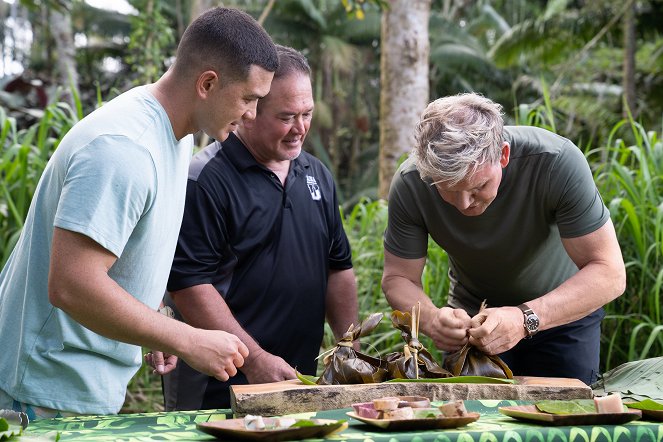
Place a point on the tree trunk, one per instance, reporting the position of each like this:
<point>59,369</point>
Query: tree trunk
<point>65,53</point>
<point>200,6</point>
<point>404,81</point>
<point>630,104</point>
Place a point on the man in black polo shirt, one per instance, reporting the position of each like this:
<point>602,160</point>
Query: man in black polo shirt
<point>262,252</point>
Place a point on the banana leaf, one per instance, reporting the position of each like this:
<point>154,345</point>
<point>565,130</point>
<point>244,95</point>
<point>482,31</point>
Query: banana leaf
<point>635,380</point>
<point>575,406</point>
<point>345,365</point>
<point>470,361</point>
<point>415,362</point>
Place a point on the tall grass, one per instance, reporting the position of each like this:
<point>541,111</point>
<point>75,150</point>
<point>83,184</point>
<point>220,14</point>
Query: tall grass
<point>631,182</point>
<point>23,158</point>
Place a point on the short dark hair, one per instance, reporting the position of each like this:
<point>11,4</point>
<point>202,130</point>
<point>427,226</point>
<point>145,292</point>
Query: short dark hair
<point>227,41</point>
<point>291,60</point>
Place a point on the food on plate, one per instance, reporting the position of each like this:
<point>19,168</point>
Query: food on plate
<point>407,407</point>
<point>386,403</point>
<point>599,405</point>
<point>453,409</point>
<point>470,361</point>
<point>259,423</point>
<point>252,422</point>
<point>611,403</point>
<point>399,413</point>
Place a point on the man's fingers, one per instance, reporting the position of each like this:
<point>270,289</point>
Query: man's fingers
<point>238,360</point>
<point>158,362</point>
<point>243,350</point>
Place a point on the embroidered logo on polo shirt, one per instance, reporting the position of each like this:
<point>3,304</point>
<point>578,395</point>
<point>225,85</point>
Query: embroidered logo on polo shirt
<point>313,187</point>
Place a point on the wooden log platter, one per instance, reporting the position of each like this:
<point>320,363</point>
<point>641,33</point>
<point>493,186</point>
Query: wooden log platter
<point>293,396</point>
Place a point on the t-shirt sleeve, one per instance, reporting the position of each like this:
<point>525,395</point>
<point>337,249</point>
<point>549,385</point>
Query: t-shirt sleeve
<point>579,209</point>
<point>406,235</point>
<point>202,240</point>
<point>109,185</point>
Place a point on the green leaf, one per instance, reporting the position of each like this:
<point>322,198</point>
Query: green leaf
<point>310,423</point>
<point>306,378</point>
<point>460,380</point>
<point>647,404</point>
<point>577,406</point>
<point>4,425</point>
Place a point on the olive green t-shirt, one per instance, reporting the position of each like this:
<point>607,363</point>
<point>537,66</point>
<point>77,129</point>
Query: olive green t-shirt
<point>512,253</point>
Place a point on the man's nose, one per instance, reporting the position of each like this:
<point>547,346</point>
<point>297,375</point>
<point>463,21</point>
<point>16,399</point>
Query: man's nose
<point>299,126</point>
<point>250,113</point>
<point>464,200</point>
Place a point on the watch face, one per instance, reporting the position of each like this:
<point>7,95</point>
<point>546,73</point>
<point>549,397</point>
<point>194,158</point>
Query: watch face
<point>532,323</point>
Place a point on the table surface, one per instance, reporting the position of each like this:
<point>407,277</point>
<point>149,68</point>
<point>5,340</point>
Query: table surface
<point>491,427</point>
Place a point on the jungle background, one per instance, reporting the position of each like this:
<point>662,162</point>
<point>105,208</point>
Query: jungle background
<point>588,70</point>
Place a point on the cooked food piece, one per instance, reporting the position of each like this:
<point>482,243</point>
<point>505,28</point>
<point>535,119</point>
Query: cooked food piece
<point>366,409</point>
<point>609,404</point>
<point>453,409</point>
<point>399,413</point>
<point>414,401</point>
<point>284,422</point>
<point>254,422</point>
<point>386,403</point>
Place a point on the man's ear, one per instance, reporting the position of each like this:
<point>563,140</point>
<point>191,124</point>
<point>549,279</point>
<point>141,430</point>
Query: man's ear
<point>206,82</point>
<point>506,152</point>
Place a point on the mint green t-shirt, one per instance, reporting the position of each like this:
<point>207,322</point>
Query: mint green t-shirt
<point>512,253</point>
<point>118,177</point>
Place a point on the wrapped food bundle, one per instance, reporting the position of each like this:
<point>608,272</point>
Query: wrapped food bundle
<point>415,362</point>
<point>470,361</point>
<point>345,365</point>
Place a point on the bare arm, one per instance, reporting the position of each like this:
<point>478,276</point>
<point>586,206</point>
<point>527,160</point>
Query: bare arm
<point>601,278</point>
<point>202,306</point>
<point>341,301</point>
<point>401,283</point>
<point>79,285</point>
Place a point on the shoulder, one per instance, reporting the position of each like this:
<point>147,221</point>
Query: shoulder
<point>312,165</point>
<point>208,156</point>
<point>529,140</point>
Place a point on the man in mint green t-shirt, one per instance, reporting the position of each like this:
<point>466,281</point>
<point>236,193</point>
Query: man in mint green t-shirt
<point>525,229</point>
<point>79,294</point>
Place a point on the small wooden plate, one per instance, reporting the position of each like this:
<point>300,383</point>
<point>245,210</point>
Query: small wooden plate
<point>234,429</point>
<point>531,414</point>
<point>430,423</point>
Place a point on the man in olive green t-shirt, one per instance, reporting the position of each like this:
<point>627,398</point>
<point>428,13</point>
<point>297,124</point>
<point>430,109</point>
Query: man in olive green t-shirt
<point>518,213</point>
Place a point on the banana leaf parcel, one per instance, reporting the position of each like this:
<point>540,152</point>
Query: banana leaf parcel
<point>415,362</point>
<point>470,361</point>
<point>345,365</point>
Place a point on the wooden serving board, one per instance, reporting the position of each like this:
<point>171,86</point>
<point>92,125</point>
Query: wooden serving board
<point>294,397</point>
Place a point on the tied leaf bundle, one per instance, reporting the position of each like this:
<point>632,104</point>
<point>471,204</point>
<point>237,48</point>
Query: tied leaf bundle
<point>470,361</point>
<point>415,362</point>
<point>345,365</point>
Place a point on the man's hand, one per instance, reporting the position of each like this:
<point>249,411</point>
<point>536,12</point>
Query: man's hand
<point>216,353</point>
<point>448,328</point>
<point>161,362</point>
<point>265,367</point>
<point>496,330</point>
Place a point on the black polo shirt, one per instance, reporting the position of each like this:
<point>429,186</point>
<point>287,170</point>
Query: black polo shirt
<point>267,249</point>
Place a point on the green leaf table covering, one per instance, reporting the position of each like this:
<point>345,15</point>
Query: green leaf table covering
<point>491,427</point>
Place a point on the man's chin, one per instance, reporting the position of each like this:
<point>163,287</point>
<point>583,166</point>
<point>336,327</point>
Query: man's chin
<point>475,211</point>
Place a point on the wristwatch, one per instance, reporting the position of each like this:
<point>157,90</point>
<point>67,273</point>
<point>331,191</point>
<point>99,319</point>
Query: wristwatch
<point>531,321</point>
<point>167,311</point>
